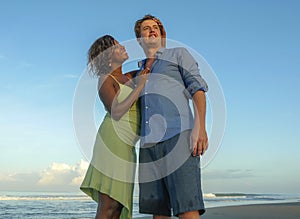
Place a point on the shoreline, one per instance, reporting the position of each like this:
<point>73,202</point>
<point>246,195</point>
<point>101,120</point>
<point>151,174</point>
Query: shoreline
<point>286,210</point>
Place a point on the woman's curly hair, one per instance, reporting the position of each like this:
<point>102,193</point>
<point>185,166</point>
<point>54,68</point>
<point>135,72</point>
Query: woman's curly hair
<point>99,55</point>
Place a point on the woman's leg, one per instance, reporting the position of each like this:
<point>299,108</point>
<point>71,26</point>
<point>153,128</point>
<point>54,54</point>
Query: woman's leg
<point>108,208</point>
<point>117,213</point>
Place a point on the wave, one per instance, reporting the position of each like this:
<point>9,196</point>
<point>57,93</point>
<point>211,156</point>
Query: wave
<point>42,198</point>
<point>209,195</point>
<point>228,195</point>
<point>81,197</point>
<point>233,195</point>
<point>47,197</point>
<point>242,197</point>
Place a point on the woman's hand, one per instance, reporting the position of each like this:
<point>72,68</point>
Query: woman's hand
<point>142,77</point>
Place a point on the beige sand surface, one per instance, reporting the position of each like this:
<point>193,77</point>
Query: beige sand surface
<point>260,211</point>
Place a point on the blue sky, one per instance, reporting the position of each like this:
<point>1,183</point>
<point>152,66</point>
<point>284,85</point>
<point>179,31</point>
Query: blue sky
<point>252,46</point>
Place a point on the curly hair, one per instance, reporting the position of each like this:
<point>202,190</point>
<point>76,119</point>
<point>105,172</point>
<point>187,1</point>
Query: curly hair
<point>137,28</point>
<point>99,55</point>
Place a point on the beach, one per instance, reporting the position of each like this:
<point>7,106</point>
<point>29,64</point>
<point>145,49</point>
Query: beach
<point>256,211</point>
<point>77,205</point>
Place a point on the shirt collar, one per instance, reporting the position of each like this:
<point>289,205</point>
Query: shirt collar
<point>157,55</point>
<point>159,52</point>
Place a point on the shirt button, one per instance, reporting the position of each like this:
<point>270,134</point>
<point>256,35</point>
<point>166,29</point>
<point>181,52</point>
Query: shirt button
<point>146,107</point>
<point>146,92</point>
<point>146,122</point>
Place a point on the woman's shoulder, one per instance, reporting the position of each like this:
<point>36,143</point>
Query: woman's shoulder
<point>106,81</point>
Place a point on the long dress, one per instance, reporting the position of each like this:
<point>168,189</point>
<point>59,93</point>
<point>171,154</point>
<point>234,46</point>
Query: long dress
<point>112,168</point>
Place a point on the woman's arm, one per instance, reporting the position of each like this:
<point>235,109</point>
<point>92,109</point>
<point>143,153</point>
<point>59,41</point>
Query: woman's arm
<point>109,91</point>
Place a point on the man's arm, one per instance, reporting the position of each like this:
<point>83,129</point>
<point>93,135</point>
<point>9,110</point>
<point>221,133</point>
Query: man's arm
<point>198,138</point>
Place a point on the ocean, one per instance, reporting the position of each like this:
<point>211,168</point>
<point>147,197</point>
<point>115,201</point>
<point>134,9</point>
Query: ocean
<point>79,206</point>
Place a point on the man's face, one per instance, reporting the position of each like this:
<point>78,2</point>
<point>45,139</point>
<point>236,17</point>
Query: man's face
<point>150,34</point>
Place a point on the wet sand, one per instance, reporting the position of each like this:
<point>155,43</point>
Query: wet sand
<point>259,211</point>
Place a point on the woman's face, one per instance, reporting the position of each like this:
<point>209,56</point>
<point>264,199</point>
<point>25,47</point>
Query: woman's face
<point>119,54</point>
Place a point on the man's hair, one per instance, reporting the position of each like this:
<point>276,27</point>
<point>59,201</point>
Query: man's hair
<point>137,28</point>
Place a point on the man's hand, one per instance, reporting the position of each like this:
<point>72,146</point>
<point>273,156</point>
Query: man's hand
<point>198,141</point>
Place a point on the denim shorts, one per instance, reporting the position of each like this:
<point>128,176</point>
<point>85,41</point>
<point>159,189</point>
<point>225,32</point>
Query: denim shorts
<point>165,190</point>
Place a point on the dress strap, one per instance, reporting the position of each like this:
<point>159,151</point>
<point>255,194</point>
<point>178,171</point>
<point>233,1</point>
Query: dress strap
<point>114,79</point>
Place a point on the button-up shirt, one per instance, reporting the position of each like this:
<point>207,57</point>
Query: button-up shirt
<point>165,106</point>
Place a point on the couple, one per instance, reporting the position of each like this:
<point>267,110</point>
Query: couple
<point>152,102</point>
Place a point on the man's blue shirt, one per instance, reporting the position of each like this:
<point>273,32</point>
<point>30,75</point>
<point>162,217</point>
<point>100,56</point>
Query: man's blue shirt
<point>165,108</point>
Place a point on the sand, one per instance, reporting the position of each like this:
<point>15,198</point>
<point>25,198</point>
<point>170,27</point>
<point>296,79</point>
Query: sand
<point>259,211</point>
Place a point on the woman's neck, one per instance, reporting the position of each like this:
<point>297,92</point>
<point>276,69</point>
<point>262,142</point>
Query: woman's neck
<point>117,70</point>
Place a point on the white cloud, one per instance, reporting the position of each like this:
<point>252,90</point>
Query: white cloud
<point>73,76</point>
<point>7,178</point>
<point>18,181</point>
<point>57,177</point>
<point>81,170</point>
<point>63,174</point>
<point>228,174</point>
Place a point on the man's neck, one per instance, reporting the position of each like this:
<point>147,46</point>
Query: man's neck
<point>150,52</point>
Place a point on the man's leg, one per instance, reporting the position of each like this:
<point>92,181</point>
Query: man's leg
<point>189,215</point>
<point>184,184</point>
<point>160,217</point>
<point>154,197</point>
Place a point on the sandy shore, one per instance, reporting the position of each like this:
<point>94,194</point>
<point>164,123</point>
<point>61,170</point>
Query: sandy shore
<point>261,211</point>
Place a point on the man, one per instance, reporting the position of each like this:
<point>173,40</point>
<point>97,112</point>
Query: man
<point>172,138</point>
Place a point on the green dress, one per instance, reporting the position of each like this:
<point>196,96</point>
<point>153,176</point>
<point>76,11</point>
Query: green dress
<point>112,168</point>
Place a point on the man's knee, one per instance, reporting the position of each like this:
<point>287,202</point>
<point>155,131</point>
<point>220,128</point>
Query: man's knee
<point>189,215</point>
<point>160,217</point>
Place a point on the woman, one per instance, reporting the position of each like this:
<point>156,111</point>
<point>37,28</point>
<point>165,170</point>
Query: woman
<point>110,177</point>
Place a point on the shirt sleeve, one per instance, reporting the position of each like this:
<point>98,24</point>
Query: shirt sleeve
<point>190,73</point>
